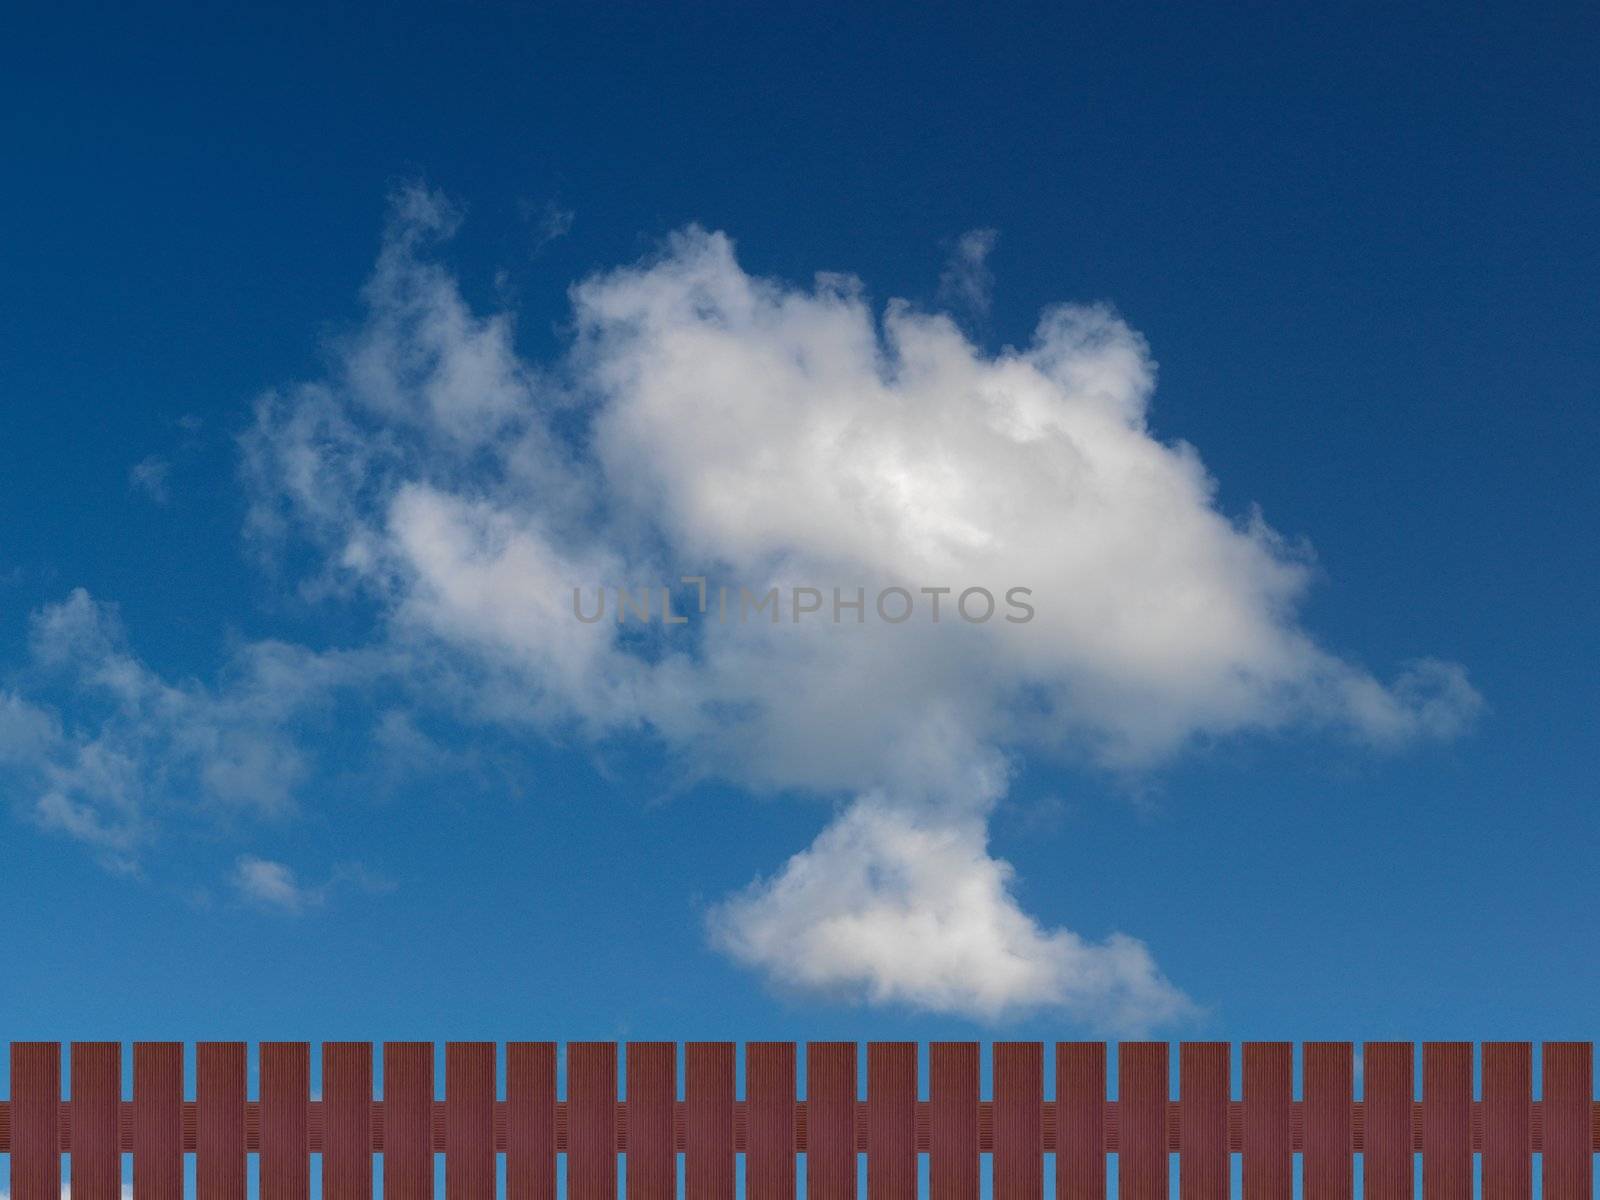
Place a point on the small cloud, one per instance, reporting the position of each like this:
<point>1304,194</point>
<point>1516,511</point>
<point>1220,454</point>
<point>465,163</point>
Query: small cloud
<point>190,423</point>
<point>967,282</point>
<point>908,908</point>
<point>149,475</point>
<point>550,222</point>
<point>275,886</point>
<point>272,885</point>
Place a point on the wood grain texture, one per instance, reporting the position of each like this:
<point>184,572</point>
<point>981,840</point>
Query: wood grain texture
<point>1387,1151</point>
<point>1205,1087</point>
<point>769,1073</point>
<point>1142,1121</point>
<point>408,1120</point>
<point>469,1094</point>
<point>1508,1120</point>
<point>1447,1120</point>
<point>285,1135</point>
<point>530,1121</point>
<point>1267,1169</point>
<point>35,1116</point>
<point>651,1071</point>
<point>96,1082</point>
<point>591,1121</point>
<point>1080,1120</point>
<point>1328,1077</point>
<point>1018,1121</point>
<point>1567,1160</point>
<point>953,1088</point>
<point>831,1121</point>
<point>158,1121</point>
<point>347,1120</point>
<point>892,1121</point>
<point>708,1091</point>
<point>222,1168</point>
<point>832,1126</point>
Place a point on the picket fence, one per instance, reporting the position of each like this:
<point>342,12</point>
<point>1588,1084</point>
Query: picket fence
<point>1469,1135</point>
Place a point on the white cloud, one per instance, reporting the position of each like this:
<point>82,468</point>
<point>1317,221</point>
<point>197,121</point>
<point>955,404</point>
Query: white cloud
<point>149,475</point>
<point>277,886</point>
<point>892,907</point>
<point>712,423</point>
<point>764,434</point>
<point>132,749</point>
<point>271,885</point>
<point>551,221</point>
<point>967,283</point>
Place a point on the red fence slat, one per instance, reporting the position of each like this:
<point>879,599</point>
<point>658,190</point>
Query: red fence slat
<point>1567,1157</point>
<point>1507,1120</point>
<point>892,1121</point>
<point>408,1121</point>
<point>830,1121</point>
<point>652,1077</point>
<point>1018,1121</point>
<point>1142,1121</point>
<point>591,1121</point>
<point>1205,1087</point>
<point>347,1120</point>
<point>469,1091</point>
<point>1080,1120</point>
<point>285,1137</point>
<point>1447,1120</point>
<point>769,1084</point>
<point>1386,1161</point>
<point>96,1140</point>
<point>953,1086</point>
<point>1327,1164</point>
<point>157,1121</point>
<point>709,1073</point>
<point>1268,1146</point>
<point>35,1111</point>
<point>530,1121</point>
<point>221,1085</point>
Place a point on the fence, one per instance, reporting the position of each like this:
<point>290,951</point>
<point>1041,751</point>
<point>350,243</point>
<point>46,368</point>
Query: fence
<point>770,1127</point>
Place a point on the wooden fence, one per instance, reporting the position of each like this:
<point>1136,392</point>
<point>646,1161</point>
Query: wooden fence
<point>892,1125</point>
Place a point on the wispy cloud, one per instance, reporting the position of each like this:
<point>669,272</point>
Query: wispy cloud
<point>272,885</point>
<point>149,475</point>
<point>277,887</point>
<point>967,283</point>
<point>550,222</point>
<point>133,748</point>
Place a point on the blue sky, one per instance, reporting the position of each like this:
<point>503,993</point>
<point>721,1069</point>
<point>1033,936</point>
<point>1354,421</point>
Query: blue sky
<point>268,774</point>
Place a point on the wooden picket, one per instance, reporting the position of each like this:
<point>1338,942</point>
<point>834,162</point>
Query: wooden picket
<point>96,1141</point>
<point>1019,1119</point>
<point>535,1126</point>
<point>708,1090</point>
<point>769,1120</point>
<point>830,1124</point>
<point>651,1070</point>
<point>1268,1121</point>
<point>954,1166</point>
<point>346,1120</point>
<point>1466,1138</point>
<point>1083,1126</point>
<point>157,1121</point>
<point>1327,1122</point>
